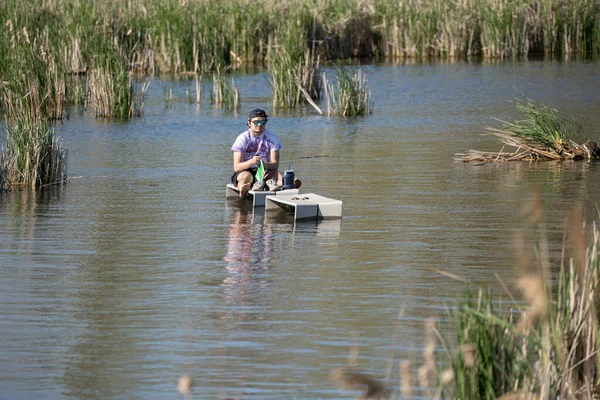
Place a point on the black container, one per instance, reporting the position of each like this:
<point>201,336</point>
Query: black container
<point>288,179</point>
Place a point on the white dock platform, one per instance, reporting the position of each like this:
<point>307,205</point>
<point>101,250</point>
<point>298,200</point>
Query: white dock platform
<point>305,205</point>
<point>258,197</point>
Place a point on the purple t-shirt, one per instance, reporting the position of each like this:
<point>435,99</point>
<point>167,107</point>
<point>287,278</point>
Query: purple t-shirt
<point>250,145</point>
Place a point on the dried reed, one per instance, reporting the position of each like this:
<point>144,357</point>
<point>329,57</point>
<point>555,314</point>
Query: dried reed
<point>552,351</point>
<point>110,87</point>
<point>543,134</point>
<point>294,68</point>
<point>33,155</point>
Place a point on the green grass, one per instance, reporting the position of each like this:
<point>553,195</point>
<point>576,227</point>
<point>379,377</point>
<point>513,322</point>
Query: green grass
<point>294,68</point>
<point>545,126</point>
<point>349,95</point>
<point>548,347</point>
<point>33,156</point>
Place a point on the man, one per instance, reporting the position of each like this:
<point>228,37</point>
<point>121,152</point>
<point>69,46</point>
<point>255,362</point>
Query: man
<point>252,146</point>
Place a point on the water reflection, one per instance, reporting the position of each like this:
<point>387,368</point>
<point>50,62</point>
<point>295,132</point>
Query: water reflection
<point>248,259</point>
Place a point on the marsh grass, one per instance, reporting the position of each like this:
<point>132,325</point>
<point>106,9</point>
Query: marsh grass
<point>111,89</point>
<point>294,68</point>
<point>547,349</point>
<point>349,95</point>
<point>33,156</point>
<point>4,170</point>
<point>58,42</point>
<point>544,346</point>
<point>542,134</point>
<point>168,97</point>
<point>545,126</point>
<point>225,93</point>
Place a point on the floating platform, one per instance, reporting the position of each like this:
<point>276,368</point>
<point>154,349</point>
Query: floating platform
<point>259,196</point>
<point>304,206</point>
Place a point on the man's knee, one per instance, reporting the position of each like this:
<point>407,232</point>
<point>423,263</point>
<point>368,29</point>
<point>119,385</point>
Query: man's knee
<point>245,176</point>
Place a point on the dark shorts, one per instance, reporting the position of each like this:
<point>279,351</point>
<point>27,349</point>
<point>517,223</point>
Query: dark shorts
<point>235,175</point>
<point>253,172</point>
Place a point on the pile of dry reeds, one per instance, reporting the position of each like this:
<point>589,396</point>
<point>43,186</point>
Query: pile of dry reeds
<point>543,134</point>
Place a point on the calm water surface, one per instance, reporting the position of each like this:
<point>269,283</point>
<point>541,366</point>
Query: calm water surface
<point>139,270</point>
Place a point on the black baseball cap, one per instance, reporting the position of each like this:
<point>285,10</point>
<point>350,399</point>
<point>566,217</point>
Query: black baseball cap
<point>257,112</point>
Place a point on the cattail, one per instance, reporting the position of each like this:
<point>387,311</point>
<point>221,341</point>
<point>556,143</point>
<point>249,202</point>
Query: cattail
<point>26,34</point>
<point>13,42</point>
<point>184,386</point>
<point>426,370</point>
<point>43,53</point>
<point>405,379</point>
<point>468,353</point>
<point>519,396</point>
<point>535,293</point>
<point>534,210</point>
<point>447,376</point>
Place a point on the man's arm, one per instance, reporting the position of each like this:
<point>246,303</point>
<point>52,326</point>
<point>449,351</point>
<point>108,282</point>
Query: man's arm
<point>274,164</point>
<point>239,165</point>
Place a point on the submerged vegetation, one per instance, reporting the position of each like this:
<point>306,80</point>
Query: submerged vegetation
<point>545,347</point>
<point>542,134</point>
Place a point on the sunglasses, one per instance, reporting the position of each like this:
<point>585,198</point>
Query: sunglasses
<point>262,122</point>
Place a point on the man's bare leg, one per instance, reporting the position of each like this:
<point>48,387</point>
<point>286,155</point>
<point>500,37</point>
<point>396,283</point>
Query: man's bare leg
<point>244,180</point>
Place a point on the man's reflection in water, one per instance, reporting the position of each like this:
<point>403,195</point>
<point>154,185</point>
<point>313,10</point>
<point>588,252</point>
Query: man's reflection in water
<point>248,257</point>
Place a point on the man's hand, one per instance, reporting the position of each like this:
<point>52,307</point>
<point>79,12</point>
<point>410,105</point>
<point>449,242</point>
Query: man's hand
<point>255,160</point>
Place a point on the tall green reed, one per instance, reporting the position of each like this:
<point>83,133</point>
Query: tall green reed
<point>32,95</point>
<point>110,87</point>
<point>548,349</point>
<point>33,155</point>
<point>294,68</point>
<point>544,346</point>
<point>349,95</point>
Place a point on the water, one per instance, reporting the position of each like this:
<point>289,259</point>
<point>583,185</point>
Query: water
<point>138,271</point>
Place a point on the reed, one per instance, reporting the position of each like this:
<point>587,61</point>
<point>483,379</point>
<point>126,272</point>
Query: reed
<point>31,70</point>
<point>225,93</point>
<point>168,97</point>
<point>33,156</point>
<point>542,347</point>
<point>4,180</point>
<point>110,87</point>
<point>174,36</point>
<point>349,95</point>
<point>544,125</point>
<point>542,134</point>
<point>294,68</point>
<point>548,349</point>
